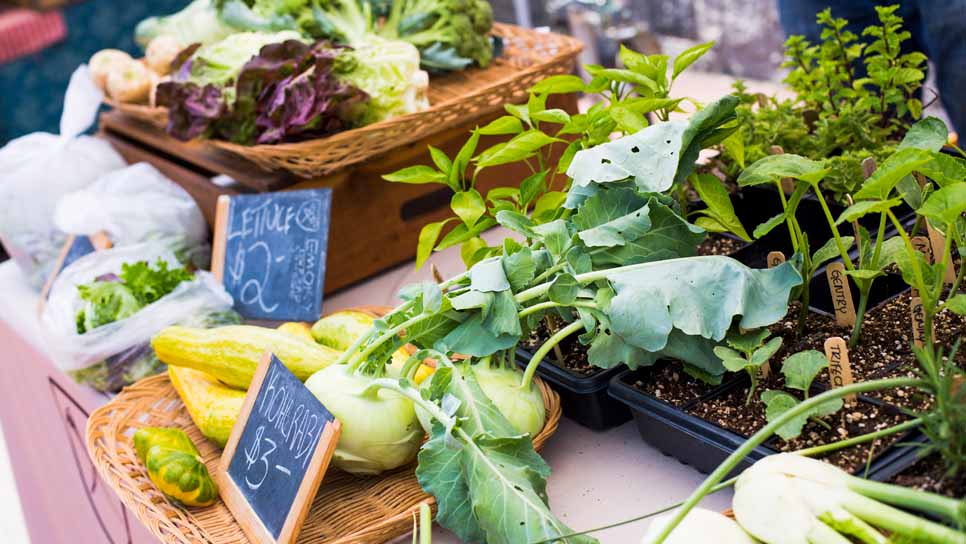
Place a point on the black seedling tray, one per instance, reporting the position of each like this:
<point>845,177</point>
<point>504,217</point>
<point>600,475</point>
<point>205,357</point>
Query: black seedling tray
<point>583,399</point>
<point>703,444</point>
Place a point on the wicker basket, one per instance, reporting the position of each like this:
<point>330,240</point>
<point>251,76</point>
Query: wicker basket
<point>347,508</point>
<point>528,57</point>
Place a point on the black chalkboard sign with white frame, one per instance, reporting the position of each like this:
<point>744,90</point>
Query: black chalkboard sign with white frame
<point>277,455</point>
<point>269,251</point>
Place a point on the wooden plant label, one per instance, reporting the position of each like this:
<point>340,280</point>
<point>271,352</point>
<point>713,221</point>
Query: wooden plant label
<point>868,167</point>
<point>838,284</point>
<point>938,243</point>
<point>839,368</point>
<point>922,245</point>
<point>775,258</point>
<point>959,382</point>
<point>918,321</point>
<point>788,184</point>
<point>270,249</point>
<point>277,455</point>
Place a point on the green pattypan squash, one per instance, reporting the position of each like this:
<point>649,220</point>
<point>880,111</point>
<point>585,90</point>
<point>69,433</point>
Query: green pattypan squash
<point>175,466</point>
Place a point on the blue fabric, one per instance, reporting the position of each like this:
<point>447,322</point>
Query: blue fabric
<point>32,88</point>
<point>938,29</point>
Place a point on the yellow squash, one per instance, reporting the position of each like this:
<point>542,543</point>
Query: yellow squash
<point>175,466</point>
<point>213,406</point>
<point>298,330</point>
<point>232,353</point>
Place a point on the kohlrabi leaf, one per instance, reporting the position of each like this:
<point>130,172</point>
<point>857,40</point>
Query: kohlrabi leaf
<point>650,157</point>
<point>705,129</point>
<point>440,473</point>
<point>801,369</point>
<point>517,222</point>
<point>670,236</point>
<point>564,289</point>
<point>472,338</point>
<point>699,296</point>
<point>488,276</point>
<point>612,218</point>
<point>775,167</point>
<point>899,165</point>
<point>520,269</point>
<point>556,236</point>
<point>929,134</point>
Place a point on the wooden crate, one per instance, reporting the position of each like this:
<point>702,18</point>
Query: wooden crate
<point>374,225</point>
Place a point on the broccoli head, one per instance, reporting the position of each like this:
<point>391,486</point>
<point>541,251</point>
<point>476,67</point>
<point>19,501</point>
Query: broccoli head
<point>450,34</point>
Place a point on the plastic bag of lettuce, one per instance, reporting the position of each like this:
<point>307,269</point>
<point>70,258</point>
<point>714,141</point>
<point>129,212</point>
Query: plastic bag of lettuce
<point>104,308</point>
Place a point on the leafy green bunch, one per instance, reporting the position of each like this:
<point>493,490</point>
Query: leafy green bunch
<point>536,135</point>
<point>836,114</point>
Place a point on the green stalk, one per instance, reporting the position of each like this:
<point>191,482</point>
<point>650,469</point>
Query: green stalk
<point>545,349</point>
<point>792,232</point>
<point>898,521</point>
<point>425,524</point>
<point>835,230</point>
<point>768,430</point>
<point>907,498</point>
<point>861,439</point>
<point>539,307</point>
<point>391,333</point>
<point>860,315</point>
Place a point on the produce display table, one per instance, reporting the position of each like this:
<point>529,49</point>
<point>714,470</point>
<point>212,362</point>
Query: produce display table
<point>597,478</point>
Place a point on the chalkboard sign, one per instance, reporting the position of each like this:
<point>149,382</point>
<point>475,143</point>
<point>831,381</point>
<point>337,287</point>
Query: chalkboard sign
<point>269,251</point>
<point>277,454</point>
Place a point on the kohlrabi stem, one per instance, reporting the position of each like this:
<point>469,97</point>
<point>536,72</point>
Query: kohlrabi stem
<point>768,430</point>
<point>545,349</point>
<point>539,307</point>
<point>550,271</point>
<point>410,368</point>
<point>390,333</point>
<point>911,499</point>
<point>899,522</point>
<point>860,314</point>
<point>861,439</point>
<point>843,251</point>
<point>425,524</point>
<point>412,394</point>
<point>539,290</point>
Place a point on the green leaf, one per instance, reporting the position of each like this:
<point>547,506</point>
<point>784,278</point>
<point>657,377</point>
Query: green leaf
<point>865,207</point>
<point>710,224</point>
<point>461,233</point>
<point>749,341</point>
<point>517,222</point>
<point>522,146</point>
<point>547,205</point>
<point>462,159</point>
<point>944,169</point>
<point>555,116</point>
<point>427,240</point>
<point>647,105</point>
<point>506,124</point>
<point>441,161</point>
<point>891,171</point>
<point>468,206</point>
<point>956,304</point>
<point>496,194</point>
<point>929,134</point>
<point>716,197</point>
<point>627,76</point>
<point>531,186</point>
<point>770,225</point>
<point>775,167</point>
<point>731,359</point>
<point>688,57</point>
<point>636,62</point>
<point>776,404</point>
<point>564,289</point>
<point>612,218</point>
<point>568,156</point>
<point>559,84</point>
<point>470,251</point>
<point>911,192</point>
<point>734,146</point>
<point>417,175</point>
<point>649,157</point>
<point>707,127</point>
<point>520,269</point>
<point>471,338</point>
<point>700,296</point>
<point>945,205</point>
<point>488,276</point>
<point>670,236</point>
<point>761,355</point>
<point>521,112</point>
<point>830,250</point>
<point>801,369</point>
<point>556,237</point>
<point>627,120</point>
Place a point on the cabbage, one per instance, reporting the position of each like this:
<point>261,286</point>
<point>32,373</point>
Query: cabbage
<point>379,429</point>
<point>221,62</point>
<point>197,23</point>
<point>388,71</point>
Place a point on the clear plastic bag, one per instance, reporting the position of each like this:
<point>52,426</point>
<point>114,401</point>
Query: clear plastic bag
<point>36,169</point>
<point>133,205</point>
<point>116,354</point>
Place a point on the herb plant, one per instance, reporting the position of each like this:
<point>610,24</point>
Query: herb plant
<point>800,371</point>
<point>835,114</point>
<point>537,134</point>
